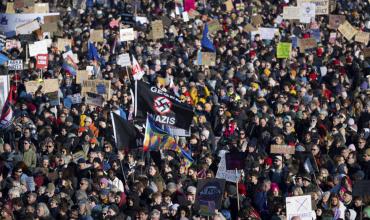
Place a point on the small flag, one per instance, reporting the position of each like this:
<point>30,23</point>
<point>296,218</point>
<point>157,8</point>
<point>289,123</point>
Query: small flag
<point>206,42</point>
<point>137,72</point>
<point>7,114</point>
<point>124,132</point>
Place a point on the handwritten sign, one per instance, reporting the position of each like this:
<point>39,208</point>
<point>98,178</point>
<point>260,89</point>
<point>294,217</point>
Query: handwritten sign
<point>282,149</point>
<point>322,6</point>
<point>81,76</point>
<point>97,35</point>
<point>101,87</point>
<point>336,20</point>
<point>366,52</point>
<point>257,20</point>
<point>127,34</point>
<point>124,59</point>
<point>291,13</point>
<point>362,37</point>
<point>283,50</point>
<point>229,5</point>
<point>48,85</point>
<point>62,43</point>
<point>41,61</point>
<point>41,8</point>
<point>306,12</point>
<point>307,43</point>
<point>157,30</point>
<point>209,195</point>
<point>228,175</point>
<point>300,206</point>
<point>15,64</point>
<point>347,30</point>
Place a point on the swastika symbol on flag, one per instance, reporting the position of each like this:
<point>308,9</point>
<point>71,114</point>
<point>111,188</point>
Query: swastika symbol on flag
<point>162,105</point>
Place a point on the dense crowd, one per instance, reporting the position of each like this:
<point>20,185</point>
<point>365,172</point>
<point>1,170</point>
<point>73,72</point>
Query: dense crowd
<point>245,103</point>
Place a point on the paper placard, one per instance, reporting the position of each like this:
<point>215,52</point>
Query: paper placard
<point>282,149</point>
<point>101,87</point>
<point>291,12</point>
<point>257,20</point>
<point>185,16</point>
<point>39,47</point>
<point>94,99</point>
<point>41,61</point>
<point>96,35</point>
<point>228,175</point>
<point>15,64</point>
<point>127,34</point>
<point>124,59</point>
<point>249,28</point>
<point>362,37</point>
<point>336,20</point>
<point>209,195</point>
<point>49,27</point>
<point>81,76</point>
<point>214,26</point>
<point>28,28</point>
<point>10,8</point>
<point>41,8</point>
<point>267,33</point>
<point>306,12</point>
<point>51,19</point>
<point>62,43</point>
<point>321,6</point>
<point>347,30</point>
<point>157,31</point>
<point>283,50</point>
<point>308,43</point>
<point>48,85</point>
<point>366,52</point>
<point>208,59</point>
<point>229,5</point>
<point>299,206</point>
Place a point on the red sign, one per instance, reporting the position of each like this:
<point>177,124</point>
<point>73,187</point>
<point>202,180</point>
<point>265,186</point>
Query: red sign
<point>41,61</point>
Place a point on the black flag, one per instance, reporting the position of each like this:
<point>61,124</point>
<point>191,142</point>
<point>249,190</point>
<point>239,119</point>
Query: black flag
<point>124,132</point>
<point>165,108</point>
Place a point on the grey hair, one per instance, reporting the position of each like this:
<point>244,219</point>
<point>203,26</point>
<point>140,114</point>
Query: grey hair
<point>45,207</point>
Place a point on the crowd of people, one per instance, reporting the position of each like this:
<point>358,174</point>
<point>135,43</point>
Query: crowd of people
<point>245,103</point>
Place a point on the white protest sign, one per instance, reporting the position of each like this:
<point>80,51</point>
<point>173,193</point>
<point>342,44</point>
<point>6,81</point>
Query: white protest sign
<point>127,34</point>
<point>124,60</point>
<point>228,175</point>
<point>291,12</point>
<point>15,64</point>
<point>322,6</point>
<point>306,12</point>
<point>323,70</point>
<point>28,28</point>
<point>141,20</point>
<point>185,16</point>
<point>267,33</point>
<point>39,47</point>
<point>299,206</point>
<point>12,21</point>
<point>90,70</point>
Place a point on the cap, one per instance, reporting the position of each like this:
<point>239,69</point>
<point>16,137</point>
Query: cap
<point>69,119</point>
<point>191,190</point>
<point>81,160</point>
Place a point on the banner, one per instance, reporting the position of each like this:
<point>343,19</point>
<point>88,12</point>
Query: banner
<point>362,37</point>
<point>306,12</point>
<point>299,206</point>
<point>283,50</point>
<point>209,195</point>
<point>124,59</point>
<point>291,12</point>
<point>9,22</point>
<point>15,64</point>
<point>42,61</point>
<point>282,149</point>
<point>127,34</point>
<point>321,6</point>
<point>101,87</point>
<point>166,108</point>
<point>347,30</point>
<point>336,20</point>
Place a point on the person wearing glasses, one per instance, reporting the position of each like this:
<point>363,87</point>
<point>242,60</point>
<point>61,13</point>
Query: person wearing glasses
<point>29,154</point>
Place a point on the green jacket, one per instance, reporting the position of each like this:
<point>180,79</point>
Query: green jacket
<point>29,158</point>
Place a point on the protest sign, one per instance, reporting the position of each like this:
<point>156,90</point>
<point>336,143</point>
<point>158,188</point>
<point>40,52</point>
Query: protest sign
<point>291,12</point>
<point>316,34</point>
<point>185,16</point>
<point>336,20</point>
<point>306,12</point>
<point>209,195</point>
<point>10,44</point>
<point>267,33</point>
<point>366,52</point>
<point>62,43</point>
<point>306,43</point>
<point>101,87</point>
<point>53,97</point>
<point>206,58</point>
<point>81,76</point>
<point>39,47</point>
<point>15,64</point>
<point>214,26</point>
<point>126,34</point>
<point>167,21</point>
<point>15,20</point>
<point>228,175</point>
<point>347,30</point>
<point>282,149</point>
<point>97,35</point>
<point>71,55</point>
<point>10,8</point>
<point>49,27</point>
<point>41,8</point>
<point>229,5</point>
<point>76,98</point>
<point>18,4</point>
<point>47,85</point>
<point>299,206</point>
<point>332,37</point>
<point>124,59</point>
<point>362,37</point>
<point>157,30</point>
<point>240,6</point>
<point>283,50</point>
<point>257,20</point>
<point>28,28</point>
<point>78,155</point>
<point>249,28</point>
<point>361,188</point>
<point>51,19</point>
<point>94,99</point>
<point>235,160</point>
<point>4,89</point>
<point>321,6</point>
<point>41,61</point>
<point>141,20</point>
<point>193,13</point>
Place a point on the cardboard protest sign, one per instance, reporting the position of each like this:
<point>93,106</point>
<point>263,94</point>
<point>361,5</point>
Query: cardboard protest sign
<point>206,58</point>
<point>306,43</point>
<point>167,21</point>
<point>347,30</point>
<point>41,8</point>
<point>78,155</point>
<point>228,175</point>
<point>15,64</point>
<point>49,27</point>
<point>291,12</point>
<point>124,59</point>
<point>101,87</point>
<point>81,76</point>
<point>235,161</point>
<point>94,99</point>
<point>283,50</point>
<point>299,206</point>
<point>10,8</point>
<point>306,12</point>
<point>39,47</point>
<point>282,149</point>
<point>51,19</point>
<point>54,99</point>
<point>336,20</point>
<point>126,34</point>
<point>257,20</point>
<point>28,28</point>
<point>209,195</point>
<point>321,6</point>
<point>316,34</point>
<point>157,30</point>
<point>214,26</point>
<point>18,4</point>
<point>366,52</point>
<point>97,35</point>
<point>361,188</point>
<point>47,86</point>
<point>249,28</point>
<point>42,61</point>
<point>62,43</point>
<point>362,37</point>
<point>229,5</point>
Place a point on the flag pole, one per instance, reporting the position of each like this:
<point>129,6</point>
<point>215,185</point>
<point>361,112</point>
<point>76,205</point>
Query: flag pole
<point>237,188</point>
<point>135,111</point>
